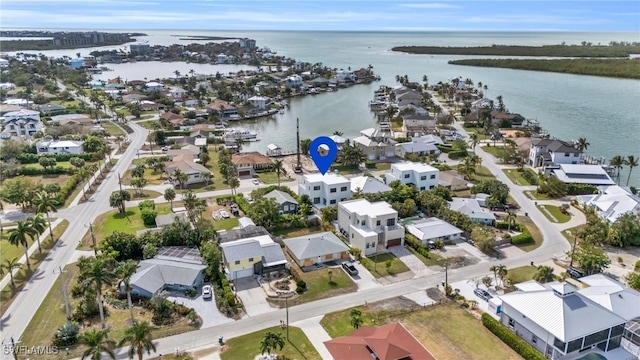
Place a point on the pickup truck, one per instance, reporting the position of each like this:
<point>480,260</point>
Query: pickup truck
<point>349,268</point>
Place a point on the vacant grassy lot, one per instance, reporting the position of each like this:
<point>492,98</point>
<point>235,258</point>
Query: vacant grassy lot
<point>377,265</point>
<point>447,331</point>
<point>535,233</point>
<point>145,194</point>
<point>290,233</point>
<point>496,151</point>
<point>554,214</point>
<point>152,177</point>
<point>246,347</point>
<point>434,259</point>
<point>516,176</point>
<point>534,195</point>
<point>24,274</point>
<point>129,222</point>
<point>112,129</point>
<point>225,224</point>
<point>521,274</point>
<point>272,177</point>
<point>319,286</point>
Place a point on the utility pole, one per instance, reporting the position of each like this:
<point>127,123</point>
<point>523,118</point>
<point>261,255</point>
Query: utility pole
<point>573,250</point>
<point>120,182</point>
<point>64,292</point>
<point>286,305</point>
<point>298,164</point>
<point>446,275</point>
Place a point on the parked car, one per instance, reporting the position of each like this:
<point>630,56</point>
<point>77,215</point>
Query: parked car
<point>165,148</point>
<point>575,273</point>
<point>349,268</point>
<point>500,207</point>
<point>512,206</point>
<point>207,292</point>
<point>482,294</point>
<point>224,214</point>
<point>255,182</point>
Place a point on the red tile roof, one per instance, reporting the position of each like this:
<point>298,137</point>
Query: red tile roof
<point>388,342</point>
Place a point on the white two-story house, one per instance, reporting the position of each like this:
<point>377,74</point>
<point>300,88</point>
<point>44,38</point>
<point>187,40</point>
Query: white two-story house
<point>546,152</point>
<point>369,225</point>
<point>59,147</point>
<point>325,190</point>
<point>423,176</point>
<point>23,122</point>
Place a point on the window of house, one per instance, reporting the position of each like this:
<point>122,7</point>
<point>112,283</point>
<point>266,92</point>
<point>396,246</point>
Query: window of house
<point>13,127</point>
<point>432,186</point>
<point>406,176</point>
<point>316,188</point>
<point>367,245</point>
<point>332,190</point>
<point>332,202</point>
<point>422,188</point>
<point>566,154</point>
<point>534,340</point>
<point>378,223</point>
<point>285,207</point>
<point>344,188</point>
<point>316,200</point>
<point>391,222</point>
<point>352,235</point>
<point>512,323</point>
<point>237,262</point>
<point>423,177</point>
<point>433,176</point>
<point>251,259</point>
<point>576,155</point>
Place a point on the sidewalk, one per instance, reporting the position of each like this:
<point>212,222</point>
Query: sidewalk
<point>316,334</point>
<point>76,201</point>
<point>34,248</point>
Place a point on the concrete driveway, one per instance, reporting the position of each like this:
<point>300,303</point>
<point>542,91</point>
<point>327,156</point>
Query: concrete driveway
<point>252,296</point>
<point>206,309</point>
<point>364,279</point>
<point>413,263</point>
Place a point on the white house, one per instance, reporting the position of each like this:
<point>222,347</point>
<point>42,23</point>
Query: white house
<point>612,202</point>
<point>368,225</point>
<point>472,209</point>
<point>7,86</point>
<point>582,174</point>
<point>557,320</point>
<point>259,102</point>
<point>59,147</point>
<point>222,58</point>
<point>177,93</point>
<point>4,63</point>
<point>376,144</point>
<point>432,229</point>
<point>23,122</point>
<point>154,86</point>
<point>423,176</point>
<point>186,164</point>
<point>547,151</point>
<point>429,139</point>
<point>325,190</point>
<point>294,80</point>
<point>345,75</point>
<point>368,185</point>
<point>417,148</point>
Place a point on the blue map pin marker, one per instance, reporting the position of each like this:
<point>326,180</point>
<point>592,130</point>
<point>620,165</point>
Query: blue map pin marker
<point>323,151</point>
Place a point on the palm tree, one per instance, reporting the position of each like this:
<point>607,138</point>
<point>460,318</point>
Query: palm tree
<point>617,162</point>
<point>138,337</point>
<point>38,226</point>
<point>9,265</point>
<point>46,203</point>
<point>631,162</point>
<point>582,144</point>
<point>356,318</point>
<point>170,195</point>
<point>278,167</point>
<point>544,274</point>
<point>502,273</point>
<point>20,235</point>
<point>180,177</point>
<point>271,341</point>
<point>97,342</point>
<point>125,271</point>
<point>338,133</point>
<point>511,219</point>
<point>98,273</point>
<point>474,138</point>
<point>494,270</point>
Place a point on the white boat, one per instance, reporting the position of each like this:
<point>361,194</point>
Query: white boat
<point>235,134</point>
<point>282,111</point>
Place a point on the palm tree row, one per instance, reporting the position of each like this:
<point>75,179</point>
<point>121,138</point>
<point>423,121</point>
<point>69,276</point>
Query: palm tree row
<point>34,226</point>
<point>138,337</point>
<point>618,162</point>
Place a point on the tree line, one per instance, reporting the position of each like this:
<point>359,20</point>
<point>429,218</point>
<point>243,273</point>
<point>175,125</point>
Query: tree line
<point>614,49</point>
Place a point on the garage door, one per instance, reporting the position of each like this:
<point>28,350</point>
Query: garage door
<point>244,173</point>
<point>243,273</point>
<point>394,242</point>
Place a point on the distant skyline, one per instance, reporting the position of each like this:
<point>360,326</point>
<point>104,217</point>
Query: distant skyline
<point>354,15</point>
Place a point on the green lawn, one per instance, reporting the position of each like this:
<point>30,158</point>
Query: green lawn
<point>516,176</point>
<point>149,125</point>
<point>151,177</point>
<point>521,274</point>
<point>11,251</point>
<point>246,347</point>
<point>482,173</point>
<point>434,259</point>
<point>447,331</point>
<point>212,165</point>
<point>225,224</point>
<point>319,287</point>
<point>535,233</point>
<point>381,166</point>
<point>496,151</point>
<point>129,222</point>
<point>112,129</point>
<point>292,232</point>
<point>272,177</point>
<point>554,214</point>
<point>377,265</point>
<point>24,274</point>
<point>346,169</point>
<point>534,195</point>
<point>570,234</point>
<point>146,194</point>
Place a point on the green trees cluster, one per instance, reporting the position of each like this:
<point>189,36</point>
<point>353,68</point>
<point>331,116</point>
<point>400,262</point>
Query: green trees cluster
<point>586,49</point>
<point>228,170</point>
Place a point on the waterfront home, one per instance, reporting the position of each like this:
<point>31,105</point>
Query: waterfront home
<point>429,139</point>
<point>428,231</point>
<point>416,124</point>
<point>319,82</point>
<point>409,97</point>
<point>286,202</point>
<point>545,152</point>
<point>452,180</point>
<point>343,75</point>
<point>611,202</point>
<point>59,147</point>
<point>415,148</point>
<point>376,144</point>
<point>413,109</point>
<point>471,208</point>
<point>339,140</point>
<point>7,86</point>
<point>175,119</point>
<point>558,321</point>
<point>317,248</point>
<point>325,190</point>
<point>244,256</point>
<point>154,86</point>
<point>223,109</point>
<point>580,174</point>
<point>422,176</point>
<point>249,163</point>
<point>506,119</point>
<point>177,93</point>
<point>368,225</point>
<point>368,185</point>
<point>186,164</point>
<point>173,268</point>
<point>190,150</point>
<point>259,102</point>
<point>293,81</point>
<point>23,122</point>
<point>133,97</point>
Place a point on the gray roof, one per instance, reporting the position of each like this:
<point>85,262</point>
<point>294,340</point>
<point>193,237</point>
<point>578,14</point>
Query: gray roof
<point>240,250</point>
<point>469,207</point>
<point>272,255</point>
<point>154,274</point>
<point>432,228</point>
<point>314,245</point>
<point>281,197</point>
<point>245,232</point>
<point>162,220</point>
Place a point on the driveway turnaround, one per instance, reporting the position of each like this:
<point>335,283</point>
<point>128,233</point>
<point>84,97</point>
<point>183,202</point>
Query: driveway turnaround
<point>252,296</point>
<point>413,263</point>
<point>364,279</point>
<point>206,309</point>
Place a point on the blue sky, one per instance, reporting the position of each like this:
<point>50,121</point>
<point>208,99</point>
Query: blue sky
<point>383,15</point>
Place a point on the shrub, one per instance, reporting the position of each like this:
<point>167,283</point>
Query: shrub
<point>148,216</point>
<point>530,176</point>
<point>512,340</point>
<point>299,290</point>
<point>370,164</point>
<point>524,238</point>
<point>301,284</point>
<point>457,154</point>
<point>28,158</point>
<point>582,189</point>
<point>147,204</point>
<point>69,187</point>
<point>637,266</point>
<point>67,334</point>
<point>503,225</point>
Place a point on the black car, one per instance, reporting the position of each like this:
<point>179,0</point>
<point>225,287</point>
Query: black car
<point>349,268</point>
<point>575,273</point>
<point>500,207</point>
<point>482,294</point>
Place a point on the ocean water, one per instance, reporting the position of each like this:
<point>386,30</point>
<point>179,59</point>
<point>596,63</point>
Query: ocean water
<point>603,110</point>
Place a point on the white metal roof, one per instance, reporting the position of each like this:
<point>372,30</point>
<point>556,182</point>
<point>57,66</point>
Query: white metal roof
<point>417,167</point>
<point>432,228</point>
<point>328,178</point>
<point>365,208</point>
<point>368,185</point>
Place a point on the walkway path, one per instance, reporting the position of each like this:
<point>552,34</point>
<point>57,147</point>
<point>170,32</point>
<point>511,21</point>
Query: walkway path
<point>316,334</point>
